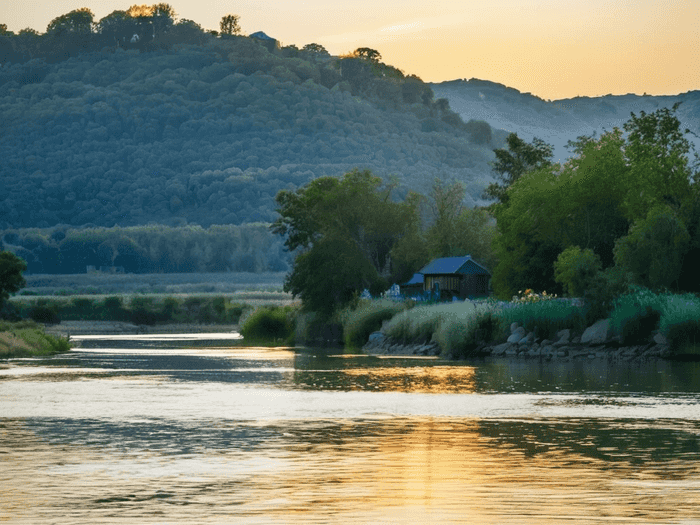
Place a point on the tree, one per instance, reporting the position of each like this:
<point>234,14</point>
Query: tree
<point>511,163</point>
<point>575,269</point>
<point>342,228</point>
<point>657,153</point>
<point>11,278</point>
<point>78,21</point>
<point>230,25</point>
<point>366,53</point>
<point>654,249</point>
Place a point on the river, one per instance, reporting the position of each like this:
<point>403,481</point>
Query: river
<point>184,429</point>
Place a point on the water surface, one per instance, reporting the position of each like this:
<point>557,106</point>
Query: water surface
<point>168,431</point>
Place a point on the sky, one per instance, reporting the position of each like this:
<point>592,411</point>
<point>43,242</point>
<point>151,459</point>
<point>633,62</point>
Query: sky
<point>551,48</point>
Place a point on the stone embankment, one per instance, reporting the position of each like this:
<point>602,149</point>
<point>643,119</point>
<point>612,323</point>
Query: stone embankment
<point>596,342</point>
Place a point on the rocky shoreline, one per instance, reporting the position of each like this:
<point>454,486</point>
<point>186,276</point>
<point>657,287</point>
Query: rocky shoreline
<point>596,342</point>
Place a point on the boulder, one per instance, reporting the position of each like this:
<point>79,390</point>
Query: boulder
<point>659,339</point>
<point>528,339</point>
<point>376,337</point>
<point>597,333</point>
<point>513,327</point>
<point>562,337</point>
<point>516,336</point>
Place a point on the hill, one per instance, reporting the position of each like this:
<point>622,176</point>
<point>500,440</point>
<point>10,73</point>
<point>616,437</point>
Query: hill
<point>556,122</point>
<point>208,132</point>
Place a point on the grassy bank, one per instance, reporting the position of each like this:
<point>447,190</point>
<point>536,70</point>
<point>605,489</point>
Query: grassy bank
<point>461,328</point>
<point>26,338</point>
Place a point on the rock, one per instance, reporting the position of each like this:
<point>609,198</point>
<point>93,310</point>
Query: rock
<point>596,334</point>
<point>513,327</point>
<point>511,351</point>
<point>563,335</point>
<point>500,349</point>
<point>528,339</point>
<point>517,335</point>
<point>659,339</point>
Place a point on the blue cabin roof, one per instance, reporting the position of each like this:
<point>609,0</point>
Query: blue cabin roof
<point>416,279</point>
<point>447,265</point>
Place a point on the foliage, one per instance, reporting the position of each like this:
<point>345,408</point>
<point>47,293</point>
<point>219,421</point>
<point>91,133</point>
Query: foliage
<point>545,318</point>
<point>653,250</point>
<point>230,25</point>
<point>590,202</point>
<point>530,296</point>
<point>605,287</point>
<point>11,278</point>
<point>182,127</point>
<point>45,312</point>
<point>514,161</point>
<point>346,229</point>
<point>367,317</point>
<point>149,249</point>
<point>575,268</point>
<point>273,324</point>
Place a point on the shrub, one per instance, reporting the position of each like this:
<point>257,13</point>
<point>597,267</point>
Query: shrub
<point>80,308</point>
<point>169,308</point>
<point>112,309</point>
<point>142,311</point>
<point>368,317</point>
<point>684,337</point>
<point>636,315</point>
<point>603,289</point>
<point>44,312</point>
<point>271,324</point>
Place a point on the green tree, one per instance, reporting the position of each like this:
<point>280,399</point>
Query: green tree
<point>230,25</point>
<point>512,162</point>
<point>11,278</point>
<point>657,153</point>
<point>654,249</point>
<point>353,223</point>
<point>575,269</point>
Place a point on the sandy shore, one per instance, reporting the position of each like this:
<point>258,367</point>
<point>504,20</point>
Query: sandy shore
<point>66,328</point>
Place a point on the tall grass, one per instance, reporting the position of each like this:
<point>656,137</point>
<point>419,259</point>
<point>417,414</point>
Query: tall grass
<point>367,317</point>
<point>270,325</point>
<point>545,318</point>
<point>27,338</point>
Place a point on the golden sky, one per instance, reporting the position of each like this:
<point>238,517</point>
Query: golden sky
<point>551,48</point>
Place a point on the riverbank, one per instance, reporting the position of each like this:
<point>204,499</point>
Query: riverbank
<point>68,328</point>
<point>595,343</point>
<point>27,339</point>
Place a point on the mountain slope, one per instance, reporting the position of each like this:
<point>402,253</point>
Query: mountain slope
<point>557,122</point>
<point>206,134</point>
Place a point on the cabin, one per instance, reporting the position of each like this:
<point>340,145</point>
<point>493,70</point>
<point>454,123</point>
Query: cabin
<point>455,277</point>
<point>412,287</point>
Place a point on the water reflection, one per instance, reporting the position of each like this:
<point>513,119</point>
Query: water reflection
<point>235,435</point>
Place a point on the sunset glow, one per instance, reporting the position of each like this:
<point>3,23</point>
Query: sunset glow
<point>553,49</point>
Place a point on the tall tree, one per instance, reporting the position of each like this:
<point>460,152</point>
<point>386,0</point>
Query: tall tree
<point>230,25</point>
<point>11,278</point>
<point>514,161</point>
<point>335,223</point>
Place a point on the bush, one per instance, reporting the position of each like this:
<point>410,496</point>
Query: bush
<point>270,324</point>
<point>368,317</point>
<point>684,337</point>
<point>142,311</point>
<point>604,288</point>
<point>636,315</point>
<point>112,309</point>
<point>44,312</point>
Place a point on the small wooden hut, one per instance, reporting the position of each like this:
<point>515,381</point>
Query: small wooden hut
<point>459,277</point>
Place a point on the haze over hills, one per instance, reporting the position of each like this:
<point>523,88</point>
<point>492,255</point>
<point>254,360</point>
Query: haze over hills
<point>556,122</point>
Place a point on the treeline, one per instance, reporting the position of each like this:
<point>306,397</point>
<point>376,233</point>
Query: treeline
<point>207,129</point>
<point>149,249</point>
<point>625,209</point>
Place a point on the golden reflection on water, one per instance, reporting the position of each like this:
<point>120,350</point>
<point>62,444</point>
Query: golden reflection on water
<point>392,470</point>
<point>419,380</point>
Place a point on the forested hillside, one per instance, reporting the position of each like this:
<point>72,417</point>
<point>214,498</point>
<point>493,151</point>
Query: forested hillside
<point>208,130</point>
<point>559,121</point>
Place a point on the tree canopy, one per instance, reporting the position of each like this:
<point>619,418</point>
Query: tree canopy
<point>11,278</point>
<point>628,198</point>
